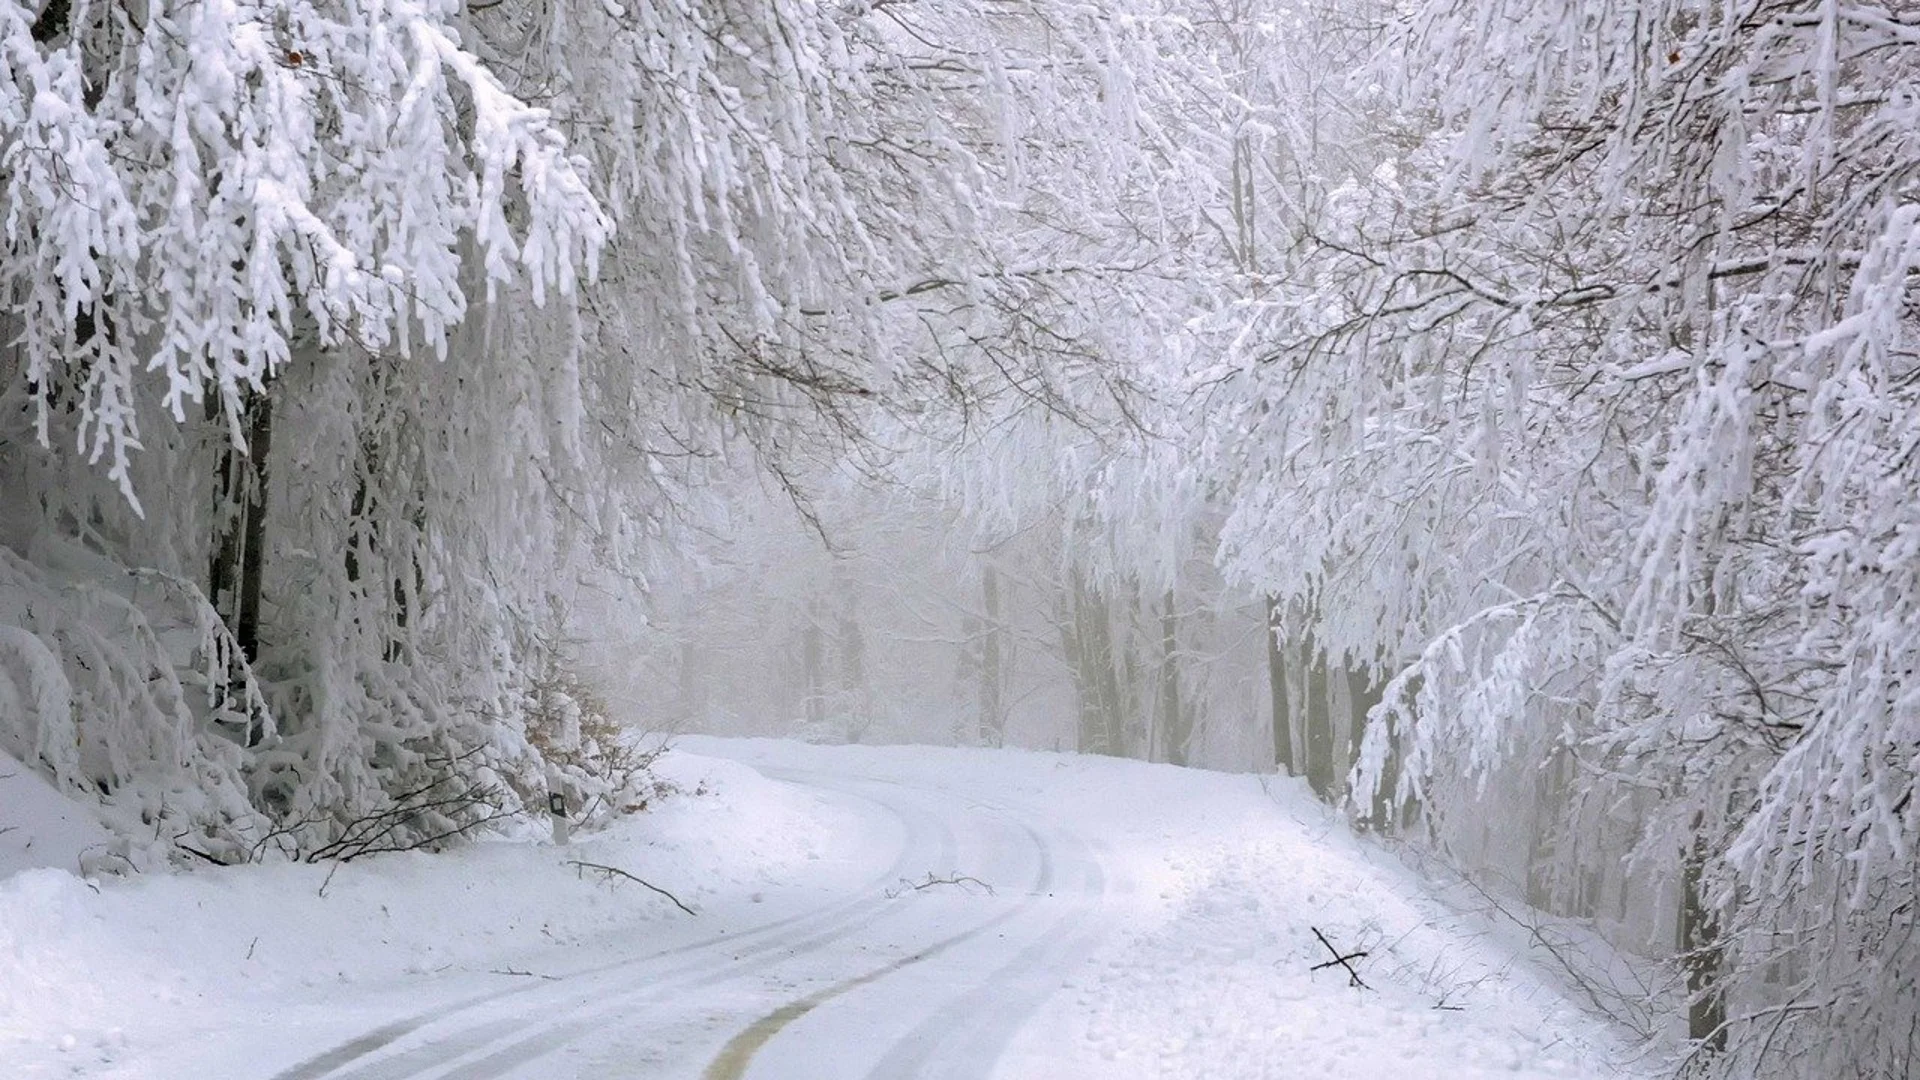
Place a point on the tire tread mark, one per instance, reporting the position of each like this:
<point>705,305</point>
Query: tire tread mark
<point>331,1062</point>
<point>734,1058</point>
<point>987,1009</point>
<point>845,919</point>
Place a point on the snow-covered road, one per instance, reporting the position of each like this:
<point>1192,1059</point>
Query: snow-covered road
<point>884,980</point>
<point>1073,918</point>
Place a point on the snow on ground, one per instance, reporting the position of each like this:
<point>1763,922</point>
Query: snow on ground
<point>131,972</point>
<point>1192,958</point>
<point>1223,879</point>
<point>39,827</point>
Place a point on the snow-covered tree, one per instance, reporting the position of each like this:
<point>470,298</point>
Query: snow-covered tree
<point>1590,410</point>
<point>228,232</point>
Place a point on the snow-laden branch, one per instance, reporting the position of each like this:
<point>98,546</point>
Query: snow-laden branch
<point>189,196</point>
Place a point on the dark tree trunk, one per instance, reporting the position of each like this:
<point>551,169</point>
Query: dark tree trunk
<point>1700,952</point>
<point>253,562</point>
<point>1317,722</point>
<point>238,563</point>
<point>223,561</point>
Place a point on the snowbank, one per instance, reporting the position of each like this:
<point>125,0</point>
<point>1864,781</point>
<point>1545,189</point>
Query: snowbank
<point>39,827</point>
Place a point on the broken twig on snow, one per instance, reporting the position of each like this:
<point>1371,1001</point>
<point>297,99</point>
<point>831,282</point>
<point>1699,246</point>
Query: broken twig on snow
<point>528,974</point>
<point>1345,961</point>
<point>614,871</point>
<point>961,880</point>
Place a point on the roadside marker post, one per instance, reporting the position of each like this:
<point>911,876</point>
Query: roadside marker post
<point>562,828</point>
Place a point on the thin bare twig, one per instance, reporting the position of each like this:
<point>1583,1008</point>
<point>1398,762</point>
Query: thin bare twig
<point>196,852</point>
<point>614,871</point>
<point>528,974</point>
<point>961,880</point>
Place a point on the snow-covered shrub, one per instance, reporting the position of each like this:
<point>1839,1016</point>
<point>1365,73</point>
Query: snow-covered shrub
<point>124,687</point>
<point>602,767</point>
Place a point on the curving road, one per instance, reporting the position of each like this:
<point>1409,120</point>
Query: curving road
<point>883,982</point>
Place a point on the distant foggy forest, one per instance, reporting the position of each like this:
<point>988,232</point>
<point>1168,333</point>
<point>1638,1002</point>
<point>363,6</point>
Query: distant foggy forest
<point>1503,415</point>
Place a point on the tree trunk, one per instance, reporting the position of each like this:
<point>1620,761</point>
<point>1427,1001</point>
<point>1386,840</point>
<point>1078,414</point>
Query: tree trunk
<point>239,557</point>
<point>1086,707</point>
<point>1363,693</point>
<point>1362,696</point>
<point>1700,951</point>
<point>853,672</point>
<point>237,564</point>
<point>813,659</point>
<point>228,524</point>
<point>1089,645</point>
<point>1128,713</point>
<point>1176,724</point>
<point>1317,722</point>
<point>993,719</point>
<point>1283,749</point>
<point>253,562</point>
<point>1550,797</point>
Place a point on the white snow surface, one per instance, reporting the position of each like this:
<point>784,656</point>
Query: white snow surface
<point>1143,921</point>
<point>39,827</point>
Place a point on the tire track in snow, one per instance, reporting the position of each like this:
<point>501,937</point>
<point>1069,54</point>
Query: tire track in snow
<point>357,1058</point>
<point>970,1032</point>
<point>735,1057</point>
<point>592,1017</point>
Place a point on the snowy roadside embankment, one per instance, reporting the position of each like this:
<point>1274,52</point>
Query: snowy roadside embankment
<point>131,971</point>
<point>41,828</point>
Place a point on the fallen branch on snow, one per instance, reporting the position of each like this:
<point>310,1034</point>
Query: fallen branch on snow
<point>961,880</point>
<point>194,851</point>
<point>1345,961</point>
<point>614,871</point>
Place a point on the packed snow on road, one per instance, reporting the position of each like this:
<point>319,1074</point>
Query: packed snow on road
<point>797,911</point>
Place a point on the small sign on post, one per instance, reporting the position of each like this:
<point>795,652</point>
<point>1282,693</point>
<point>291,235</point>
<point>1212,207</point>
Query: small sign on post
<point>562,828</point>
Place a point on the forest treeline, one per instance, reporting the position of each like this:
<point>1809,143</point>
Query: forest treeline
<point>1505,415</point>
